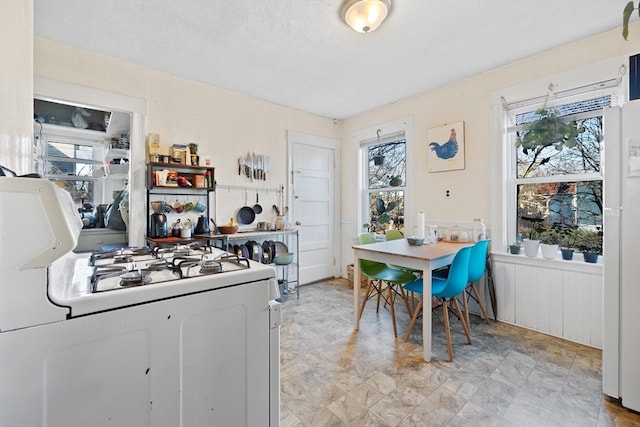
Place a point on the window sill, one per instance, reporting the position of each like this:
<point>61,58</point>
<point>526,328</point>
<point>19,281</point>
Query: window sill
<point>577,264</point>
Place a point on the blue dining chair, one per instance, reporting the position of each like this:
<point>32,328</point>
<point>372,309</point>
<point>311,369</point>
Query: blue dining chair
<point>382,278</point>
<point>477,265</point>
<point>445,292</point>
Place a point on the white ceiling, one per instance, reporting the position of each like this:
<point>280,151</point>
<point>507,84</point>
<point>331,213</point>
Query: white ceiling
<point>299,53</point>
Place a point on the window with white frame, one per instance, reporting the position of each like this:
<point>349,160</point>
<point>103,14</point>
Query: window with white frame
<point>555,181</point>
<point>384,184</point>
<point>72,162</point>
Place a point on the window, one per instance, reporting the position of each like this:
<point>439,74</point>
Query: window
<point>556,171</point>
<point>73,163</point>
<point>385,174</point>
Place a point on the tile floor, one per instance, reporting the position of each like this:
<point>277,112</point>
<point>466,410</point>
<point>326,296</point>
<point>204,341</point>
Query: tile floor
<point>334,376</point>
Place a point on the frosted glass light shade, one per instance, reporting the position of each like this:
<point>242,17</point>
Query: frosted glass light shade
<point>365,15</point>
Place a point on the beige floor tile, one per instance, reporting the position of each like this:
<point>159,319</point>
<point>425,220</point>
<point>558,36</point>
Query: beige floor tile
<point>332,375</point>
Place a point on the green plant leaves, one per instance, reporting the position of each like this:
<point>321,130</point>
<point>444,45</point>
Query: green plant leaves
<point>548,130</point>
<point>626,15</point>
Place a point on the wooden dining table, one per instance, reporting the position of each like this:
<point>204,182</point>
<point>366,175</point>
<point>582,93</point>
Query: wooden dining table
<point>398,252</point>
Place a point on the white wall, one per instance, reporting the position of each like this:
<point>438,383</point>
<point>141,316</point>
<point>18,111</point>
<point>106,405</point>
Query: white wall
<point>466,100</point>
<point>16,85</point>
<point>224,124</point>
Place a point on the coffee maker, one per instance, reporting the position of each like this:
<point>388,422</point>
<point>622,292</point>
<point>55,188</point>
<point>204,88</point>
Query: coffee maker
<point>158,225</point>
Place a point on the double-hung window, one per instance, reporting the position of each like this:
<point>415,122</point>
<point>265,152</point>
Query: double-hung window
<point>555,175</point>
<point>384,189</point>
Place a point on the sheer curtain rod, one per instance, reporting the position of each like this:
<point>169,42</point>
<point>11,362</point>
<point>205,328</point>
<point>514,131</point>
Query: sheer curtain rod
<point>383,139</point>
<point>606,84</point>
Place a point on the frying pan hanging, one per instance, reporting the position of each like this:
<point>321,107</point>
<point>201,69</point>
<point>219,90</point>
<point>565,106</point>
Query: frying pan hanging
<point>246,214</point>
<point>257,208</point>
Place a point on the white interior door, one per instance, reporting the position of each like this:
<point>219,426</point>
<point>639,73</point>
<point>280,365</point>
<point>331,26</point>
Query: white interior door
<point>312,164</point>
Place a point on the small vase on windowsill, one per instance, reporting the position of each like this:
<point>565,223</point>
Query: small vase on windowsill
<point>531,247</point>
<point>549,250</point>
<point>567,253</point>
<point>591,257</point>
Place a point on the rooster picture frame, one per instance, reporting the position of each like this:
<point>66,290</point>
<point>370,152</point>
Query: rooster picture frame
<point>445,148</point>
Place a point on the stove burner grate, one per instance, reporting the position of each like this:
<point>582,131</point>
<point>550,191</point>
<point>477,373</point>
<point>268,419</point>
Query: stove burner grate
<point>135,278</point>
<point>120,255</point>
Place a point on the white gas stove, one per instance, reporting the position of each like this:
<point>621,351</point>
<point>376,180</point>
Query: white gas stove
<point>180,336</point>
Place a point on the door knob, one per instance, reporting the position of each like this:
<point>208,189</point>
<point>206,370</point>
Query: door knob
<point>298,223</point>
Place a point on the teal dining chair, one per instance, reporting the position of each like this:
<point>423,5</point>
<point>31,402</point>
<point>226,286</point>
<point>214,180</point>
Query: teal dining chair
<point>477,265</point>
<point>445,291</point>
<point>383,278</point>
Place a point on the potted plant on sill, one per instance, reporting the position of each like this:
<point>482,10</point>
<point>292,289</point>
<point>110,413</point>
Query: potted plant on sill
<point>532,244</point>
<point>395,180</point>
<point>550,242</point>
<point>590,245</point>
<point>514,248</point>
<point>566,235</point>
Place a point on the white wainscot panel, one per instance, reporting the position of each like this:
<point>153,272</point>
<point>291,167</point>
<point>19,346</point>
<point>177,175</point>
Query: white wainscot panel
<point>559,298</point>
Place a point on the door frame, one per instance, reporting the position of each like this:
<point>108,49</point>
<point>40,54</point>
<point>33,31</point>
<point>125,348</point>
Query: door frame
<point>296,137</point>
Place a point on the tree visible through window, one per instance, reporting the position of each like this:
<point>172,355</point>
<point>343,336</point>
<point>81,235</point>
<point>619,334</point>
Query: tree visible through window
<point>559,175</point>
<point>386,172</point>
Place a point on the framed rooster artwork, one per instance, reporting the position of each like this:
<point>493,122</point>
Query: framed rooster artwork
<point>445,148</point>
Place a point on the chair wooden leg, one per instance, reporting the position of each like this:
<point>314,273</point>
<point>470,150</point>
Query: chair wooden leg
<point>365,299</point>
<point>447,331</point>
<point>464,322</point>
<point>393,310</point>
<point>465,302</point>
<point>416,312</point>
<point>480,303</point>
<point>405,297</point>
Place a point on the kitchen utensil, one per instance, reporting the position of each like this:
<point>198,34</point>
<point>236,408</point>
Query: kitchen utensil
<point>246,214</point>
<point>255,250</point>
<point>176,228</point>
<point>200,207</point>
<point>250,160</point>
<point>280,248</point>
<point>267,166</point>
<point>215,227</point>
<point>257,208</point>
<point>254,160</point>
<point>158,225</point>
<point>266,253</point>
<point>227,229</point>
<point>202,227</point>
<point>284,258</point>
<point>245,251</point>
<point>157,206</point>
<point>262,226</point>
<point>240,165</point>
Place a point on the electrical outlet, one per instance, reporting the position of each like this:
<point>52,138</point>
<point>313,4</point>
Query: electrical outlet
<point>447,194</point>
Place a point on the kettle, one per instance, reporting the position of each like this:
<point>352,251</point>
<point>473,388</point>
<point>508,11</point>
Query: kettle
<point>202,227</point>
<point>158,225</point>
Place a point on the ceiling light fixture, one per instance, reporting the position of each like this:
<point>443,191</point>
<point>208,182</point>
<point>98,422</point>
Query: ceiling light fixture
<point>365,15</point>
